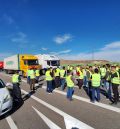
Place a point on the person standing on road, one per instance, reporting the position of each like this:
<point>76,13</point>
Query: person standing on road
<point>16,88</point>
<point>37,74</point>
<point>89,72</point>
<point>32,79</point>
<point>28,76</point>
<point>108,83</point>
<point>49,79</point>
<point>57,77</point>
<point>80,78</point>
<point>115,80</point>
<point>62,77</point>
<point>95,80</point>
<point>70,85</point>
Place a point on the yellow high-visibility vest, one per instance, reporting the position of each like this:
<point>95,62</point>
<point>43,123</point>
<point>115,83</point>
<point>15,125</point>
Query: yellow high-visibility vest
<point>28,72</point>
<point>103,71</point>
<point>116,80</point>
<point>81,74</point>
<point>32,74</point>
<point>71,68</point>
<point>62,73</point>
<point>37,72</point>
<point>70,83</point>
<point>96,80</point>
<point>57,73</point>
<point>48,76</point>
<point>15,78</point>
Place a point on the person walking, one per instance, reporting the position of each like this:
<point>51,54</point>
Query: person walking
<point>95,80</point>
<point>70,85</point>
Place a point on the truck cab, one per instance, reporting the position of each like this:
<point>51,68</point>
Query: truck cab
<point>47,61</point>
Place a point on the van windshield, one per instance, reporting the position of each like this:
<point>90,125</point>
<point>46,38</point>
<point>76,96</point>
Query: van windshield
<point>55,63</point>
<point>2,85</point>
<point>31,62</point>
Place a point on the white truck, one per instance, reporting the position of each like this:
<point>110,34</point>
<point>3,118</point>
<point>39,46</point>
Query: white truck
<point>47,61</point>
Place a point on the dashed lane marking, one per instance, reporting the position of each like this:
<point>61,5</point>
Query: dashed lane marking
<point>50,124</point>
<point>11,123</point>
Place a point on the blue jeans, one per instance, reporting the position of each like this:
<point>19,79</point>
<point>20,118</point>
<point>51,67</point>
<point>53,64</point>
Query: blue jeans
<point>62,83</point>
<point>108,89</point>
<point>85,81</point>
<point>49,86</point>
<point>70,92</point>
<point>28,79</point>
<point>97,90</point>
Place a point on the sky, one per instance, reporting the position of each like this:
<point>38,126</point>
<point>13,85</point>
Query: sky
<point>70,29</point>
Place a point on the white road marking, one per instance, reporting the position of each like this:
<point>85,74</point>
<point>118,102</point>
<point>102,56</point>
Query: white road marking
<point>50,124</point>
<point>105,106</point>
<point>11,123</point>
<point>65,115</point>
<point>102,105</point>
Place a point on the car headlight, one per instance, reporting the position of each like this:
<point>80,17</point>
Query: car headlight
<point>6,99</point>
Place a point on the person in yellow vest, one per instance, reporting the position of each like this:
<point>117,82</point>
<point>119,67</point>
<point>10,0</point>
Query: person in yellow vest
<point>95,81</point>
<point>28,76</point>
<point>70,85</point>
<point>115,80</point>
<point>57,77</point>
<point>32,79</point>
<point>16,88</point>
<point>80,78</point>
<point>62,77</point>
<point>37,74</point>
<point>49,79</point>
<point>89,71</point>
<point>107,83</point>
<point>68,68</point>
<point>103,74</point>
<point>71,68</point>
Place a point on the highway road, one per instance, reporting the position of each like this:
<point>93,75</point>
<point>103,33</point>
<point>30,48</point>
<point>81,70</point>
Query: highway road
<point>41,110</point>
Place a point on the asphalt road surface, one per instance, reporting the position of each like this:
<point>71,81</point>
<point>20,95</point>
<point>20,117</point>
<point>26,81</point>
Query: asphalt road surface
<point>41,110</point>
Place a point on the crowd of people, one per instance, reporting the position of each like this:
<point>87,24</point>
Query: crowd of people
<point>94,79</point>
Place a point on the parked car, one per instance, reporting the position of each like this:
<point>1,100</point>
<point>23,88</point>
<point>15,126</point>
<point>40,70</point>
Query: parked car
<point>6,101</point>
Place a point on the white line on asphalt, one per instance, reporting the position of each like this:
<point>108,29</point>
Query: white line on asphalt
<point>50,124</point>
<point>65,115</point>
<point>11,123</point>
<point>88,101</point>
<point>102,105</point>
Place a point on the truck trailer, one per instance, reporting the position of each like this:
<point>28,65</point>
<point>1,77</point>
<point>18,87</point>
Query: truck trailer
<point>47,61</point>
<point>21,63</point>
<point>1,65</point>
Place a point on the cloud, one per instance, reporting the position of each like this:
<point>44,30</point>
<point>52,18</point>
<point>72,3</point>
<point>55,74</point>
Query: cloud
<point>113,45</point>
<point>4,55</point>
<point>63,38</point>
<point>61,52</point>
<point>8,19</point>
<point>20,37</point>
<point>109,52</point>
<point>44,49</point>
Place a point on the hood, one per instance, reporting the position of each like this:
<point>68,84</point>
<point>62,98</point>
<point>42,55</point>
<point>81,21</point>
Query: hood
<point>3,93</point>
